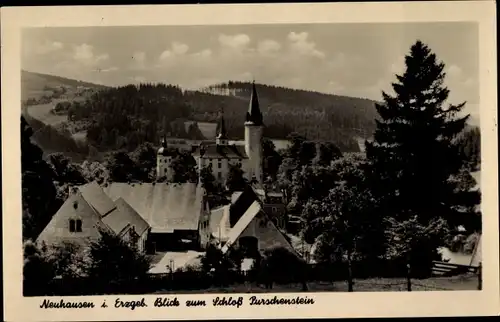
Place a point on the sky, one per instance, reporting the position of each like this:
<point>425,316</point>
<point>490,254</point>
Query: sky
<point>357,60</point>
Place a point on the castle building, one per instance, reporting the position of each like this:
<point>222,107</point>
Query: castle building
<point>163,159</point>
<point>221,154</point>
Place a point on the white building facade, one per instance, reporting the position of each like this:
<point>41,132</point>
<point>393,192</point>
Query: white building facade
<point>221,154</point>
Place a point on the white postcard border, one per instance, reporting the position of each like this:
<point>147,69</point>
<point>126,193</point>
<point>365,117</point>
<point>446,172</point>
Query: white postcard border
<point>394,304</point>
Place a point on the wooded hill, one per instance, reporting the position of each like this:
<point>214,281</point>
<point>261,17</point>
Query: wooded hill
<point>127,116</point>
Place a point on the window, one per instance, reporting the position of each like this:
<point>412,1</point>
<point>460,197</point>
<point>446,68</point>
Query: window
<point>220,164</point>
<point>219,175</point>
<point>72,225</point>
<point>210,160</point>
<point>78,226</point>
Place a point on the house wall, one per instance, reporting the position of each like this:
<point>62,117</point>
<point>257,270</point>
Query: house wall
<point>253,148</point>
<point>220,166</point>
<point>267,234</point>
<point>58,230</point>
<point>163,167</point>
<point>141,243</point>
<point>204,226</point>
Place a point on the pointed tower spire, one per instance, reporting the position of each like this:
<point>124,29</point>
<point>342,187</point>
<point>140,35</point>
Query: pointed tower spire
<point>221,129</point>
<point>254,116</point>
<point>164,141</point>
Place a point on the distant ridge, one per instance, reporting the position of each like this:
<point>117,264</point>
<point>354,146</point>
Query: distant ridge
<point>35,85</point>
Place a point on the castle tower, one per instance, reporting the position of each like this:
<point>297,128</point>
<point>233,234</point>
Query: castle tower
<point>253,137</point>
<point>163,159</point>
<point>221,138</point>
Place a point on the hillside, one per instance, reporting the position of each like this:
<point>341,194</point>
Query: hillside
<point>36,85</point>
<point>124,117</point>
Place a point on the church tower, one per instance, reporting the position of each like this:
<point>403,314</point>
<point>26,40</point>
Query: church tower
<point>253,137</point>
<point>221,138</point>
<point>163,159</point>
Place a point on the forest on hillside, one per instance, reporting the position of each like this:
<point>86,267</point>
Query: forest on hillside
<point>127,116</point>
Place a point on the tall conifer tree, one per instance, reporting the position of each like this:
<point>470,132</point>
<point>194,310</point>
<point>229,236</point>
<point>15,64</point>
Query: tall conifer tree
<point>416,165</point>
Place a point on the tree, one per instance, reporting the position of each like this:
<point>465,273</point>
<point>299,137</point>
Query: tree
<point>271,159</point>
<point>184,168</point>
<point>145,159</point>
<point>346,224</point>
<point>38,271</point>
<point>301,150</point>
<point>65,171</point>
<point>469,145</point>
<point>326,153</point>
<point>235,180</point>
<point>39,194</point>
<point>68,259</point>
<point>207,179</point>
<point>115,266</point>
<point>121,167</point>
<point>413,243</point>
<point>310,183</point>
<point>413,155</point>
<point>95,171</point>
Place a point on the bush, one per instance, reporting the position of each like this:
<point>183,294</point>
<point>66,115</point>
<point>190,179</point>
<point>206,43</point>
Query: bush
<point>282,266</point>
<point>38,271</point>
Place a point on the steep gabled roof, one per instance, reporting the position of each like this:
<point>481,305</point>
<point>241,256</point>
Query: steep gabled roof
<point>214,151</point>
<point>96,197</point>
<point>165,207</point>
<point>242,223</point>
<point>241,203</point>
<point>123,216</point>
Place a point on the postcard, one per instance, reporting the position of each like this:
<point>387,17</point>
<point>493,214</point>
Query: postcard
<point>250,161</point>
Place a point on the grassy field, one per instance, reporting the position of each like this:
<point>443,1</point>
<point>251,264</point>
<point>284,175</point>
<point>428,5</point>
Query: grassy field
<point>42,113</point>
<point>456,283</point>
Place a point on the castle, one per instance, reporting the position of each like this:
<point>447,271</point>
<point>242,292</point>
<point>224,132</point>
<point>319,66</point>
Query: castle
<point>220,154</point>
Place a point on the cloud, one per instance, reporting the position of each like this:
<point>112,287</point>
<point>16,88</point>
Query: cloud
<point>301,45</point>
<point>137,79</point>
<point>205,53</point>
<point>179,48</point>
<point>237,42</point>
<point>268,46</point>
<point>176,49</point>
<point>106,70</point>
<point>85,55</point>
<point>47,47</point>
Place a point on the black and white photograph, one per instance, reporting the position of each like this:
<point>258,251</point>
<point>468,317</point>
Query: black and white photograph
<point>250,158</point>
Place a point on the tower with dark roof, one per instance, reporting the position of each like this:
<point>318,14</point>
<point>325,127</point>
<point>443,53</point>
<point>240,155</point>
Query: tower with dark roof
<point>253,137</point>
<point>163,159</point>
<point>221,138</point>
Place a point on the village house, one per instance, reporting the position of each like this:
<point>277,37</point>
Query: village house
<point>86,212</point>
<point>178,214</point>
<point>244,223</point>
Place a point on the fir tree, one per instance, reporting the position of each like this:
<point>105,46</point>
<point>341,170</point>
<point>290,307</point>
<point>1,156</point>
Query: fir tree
<point>413,155</point>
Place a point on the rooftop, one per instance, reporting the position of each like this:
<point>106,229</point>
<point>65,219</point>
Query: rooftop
<point>165,207</point>
<point>214,151</point>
